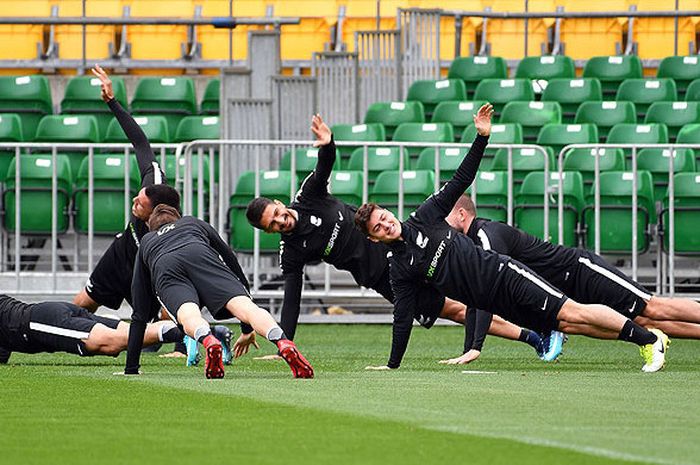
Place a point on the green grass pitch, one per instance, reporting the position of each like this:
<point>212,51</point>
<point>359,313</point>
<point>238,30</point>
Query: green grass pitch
<point>595,406</point>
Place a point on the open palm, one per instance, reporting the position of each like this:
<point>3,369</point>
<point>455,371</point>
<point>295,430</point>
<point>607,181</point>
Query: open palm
<point>482,120</point>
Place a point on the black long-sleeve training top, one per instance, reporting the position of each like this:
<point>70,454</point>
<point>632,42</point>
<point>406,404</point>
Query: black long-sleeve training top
<point>185,231</point>
<point>325,230</point>
<point>434,253</point>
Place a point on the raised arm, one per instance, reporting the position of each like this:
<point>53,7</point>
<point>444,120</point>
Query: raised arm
<point>317,182</point>
<point>142,293</point>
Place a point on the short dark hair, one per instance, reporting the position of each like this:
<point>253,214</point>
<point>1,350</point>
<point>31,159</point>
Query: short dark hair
<point>163,194</point>
<point>362,216</point>
<point>465,201</point>
<point>162,214</point>
<point>255,210</point>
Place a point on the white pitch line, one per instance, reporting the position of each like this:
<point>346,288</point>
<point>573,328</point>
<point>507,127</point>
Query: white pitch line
<point>477,372</point>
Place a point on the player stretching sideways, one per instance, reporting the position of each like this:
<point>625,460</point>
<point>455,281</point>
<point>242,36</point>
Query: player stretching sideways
<point>426,248</point>
<point>185,265</point>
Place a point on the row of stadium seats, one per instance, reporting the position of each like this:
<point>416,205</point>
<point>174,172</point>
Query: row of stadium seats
<point>173,98</point>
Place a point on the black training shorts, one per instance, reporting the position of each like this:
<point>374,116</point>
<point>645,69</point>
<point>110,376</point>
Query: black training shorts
<point>110,282</point>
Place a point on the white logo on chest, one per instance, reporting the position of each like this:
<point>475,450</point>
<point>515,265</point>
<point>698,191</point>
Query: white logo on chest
<point>166,228</point>
<point>316,221</point>
<point>421,241</point>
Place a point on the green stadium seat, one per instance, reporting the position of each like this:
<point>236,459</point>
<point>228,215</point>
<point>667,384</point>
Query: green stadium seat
<point>629,133</point>
<point>559,135</point>
<point>29,97</point>
<point>686,203</point>
<point>674,115</point>
<point>379,159</point>
<point>472,70</point>
<point>528,212</point>
<point>583,161</point>
<point>10,131</point>
<point>69,128</point>
<point>200,127</point>
<point>692,93</point>
<point>175,172</point>
<point>689,134</point>
<point>36,172</point>
<point>612,70</point>
<point>430,93</point>
<point>683,70</point>
<point>531,116</point>
<point>498,92</point>
<point>305,159</point>
<point>423,132</point>
<point>210,99</point>
<point>83,96</point>
<point>655,160</point>
<point>491,194</point>
<point>543,68</point>
<point>509,133</point>
<point>449,159</point>
<point>458,114</point>
<point>525,161</point>
<point>108,188</point>
<point>347,186</point>
<point>391,114</point>
<point>373,132</point>
<point>570,93</point>
<point>605,115</point>
<point>616,212</point>
<point>417,186</point>
<point>644,92</point>
<point>172,97</point>
<point>274,185</point>
<point>154,126</point>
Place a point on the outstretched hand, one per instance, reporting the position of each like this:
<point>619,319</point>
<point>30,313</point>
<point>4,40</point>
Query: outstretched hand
<point>242,345</point>
<point>107,93</point>
<point>321,131</point>
<point>468,357</point>
<point>482,120</point>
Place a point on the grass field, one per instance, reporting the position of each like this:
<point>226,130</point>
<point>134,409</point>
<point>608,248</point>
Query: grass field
<point>593,407</point>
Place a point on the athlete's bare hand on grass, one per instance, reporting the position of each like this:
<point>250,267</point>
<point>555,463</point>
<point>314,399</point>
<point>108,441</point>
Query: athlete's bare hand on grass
<point>377,368</point>
<point>321,131</point>
<point>243,343</point>
<point>107,92</point>
<point>273,357</point>
<point>482,120</point>
<point>462,360</point>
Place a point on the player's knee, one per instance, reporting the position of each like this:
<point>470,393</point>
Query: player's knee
<point>654,308</point>
<point>572,312</point>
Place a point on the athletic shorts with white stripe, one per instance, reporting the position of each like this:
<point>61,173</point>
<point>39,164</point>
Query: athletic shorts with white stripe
<point>595,281</point>
<point>61,327</point>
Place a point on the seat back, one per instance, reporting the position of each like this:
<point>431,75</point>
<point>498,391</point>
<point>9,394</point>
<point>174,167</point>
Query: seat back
<point>154,126</point>
<point>543,68</point>
<point>498,92</point>
<point>683,70</point>
<point>583,161</point>
<point>491,194</point>
<point>29,97</point>
<point>372,132</point>
<point>458,114</point>
<point>525,161</point>
<point>570,93</point>
<point>379,159</point>
<point>612,70</point>
<point>531,116</point>
<point>449,159</point>
<point>210,99</point>
<point>656,161</point>
<point>559,135</point>
<point>423,132</point>
<point>629,133</point>
<point>417,186</point>
<point>430,93</point>
<point>605,115</point>
<point>674,115</point>
<point>474,69</point>
<point>391,114</point>
<point>644,92</point>
<point>686,215</point>
<point>347,186</point>
<point>305,159</point>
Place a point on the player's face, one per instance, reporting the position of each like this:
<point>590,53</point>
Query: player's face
<point>383,226</point>
<point>142,207</point>
<point>277,218</point>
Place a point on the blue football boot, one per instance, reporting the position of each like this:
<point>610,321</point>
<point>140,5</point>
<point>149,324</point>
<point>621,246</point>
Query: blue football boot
<point>193,356</point>
<point>554,342</point>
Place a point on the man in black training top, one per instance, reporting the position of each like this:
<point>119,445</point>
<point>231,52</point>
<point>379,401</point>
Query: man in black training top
<point>318,226</point>
<point>184,264</point>
<point>65,327</point>
<point>426,249</point>
<point>580,274</point>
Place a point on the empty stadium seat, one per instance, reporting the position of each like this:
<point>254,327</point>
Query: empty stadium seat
<point>458,114</point>
<point>347,186</point>
<point>305,159</point>
<point>379,159</point>
<point>528,212</point>
<point>674,115</point>
<point>531,116</point>
<point>372,132</point>
<point>449,159</point>
<point>692,93</point>
<point>391,114</point>
<point>559,135</point>
<point>154,126</point>
<point>66,129</point>
<point>175,171</point>
<point>644,92</point>
<point>472,70</point>
<point>612,70</point>
<point>423,132</point>
<point>605,115</point>
<point>274,185</point>
<point>417,186</point>
<point>172,97</point>
<point>498,92</point>
<point>628,133</point>
<point>525,161</point>
<point>570,93</point>
<point>542,69</point>
<point>508,133</point>
<point>583,161</point>
<point>687,214</point>
<point>108,188</point>
<point>83,96</point>
<point>197,127</point>
<point>36,173</point>
<point>616,212</point>
<point>656,160</point>
<point>10,131</point>
<point>689,134</point>
<point>210,99</point>
<point>491,194</point>
<point>29,97</point>
<point>683,70</point>
<point>430,93</point>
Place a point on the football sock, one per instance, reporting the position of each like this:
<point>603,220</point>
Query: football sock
<point>530,337</point>
<point>275,334</point>
<point>201,333</point>
<point>171,334</point>
<point>180,346</point>
<point>632,332</point>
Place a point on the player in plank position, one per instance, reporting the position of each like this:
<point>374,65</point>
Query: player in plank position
<point>318,226</point>
<point>580,274</point>
<point>184,264</point>
<point>65,327</point>
<point>426,249</point>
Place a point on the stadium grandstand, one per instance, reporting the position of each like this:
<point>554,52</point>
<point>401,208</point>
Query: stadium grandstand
<point>595,145</point>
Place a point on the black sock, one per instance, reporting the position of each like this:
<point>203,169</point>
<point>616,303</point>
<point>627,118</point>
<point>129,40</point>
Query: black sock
<point>632,332</point>
<point>175,335</point>
<point>530,337</point>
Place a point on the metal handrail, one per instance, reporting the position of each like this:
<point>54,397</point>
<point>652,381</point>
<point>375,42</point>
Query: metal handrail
<point>216,21</point>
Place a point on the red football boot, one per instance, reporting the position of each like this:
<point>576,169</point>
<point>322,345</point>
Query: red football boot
<point>299,365</point>
<point>214,362</point>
